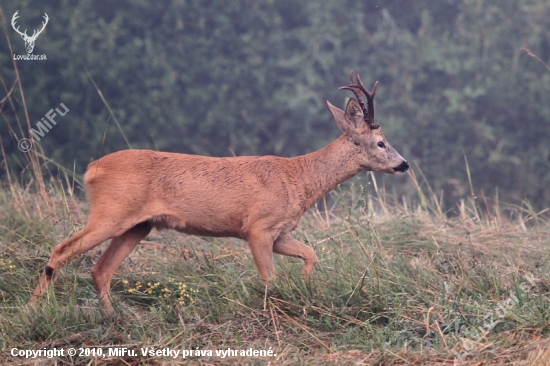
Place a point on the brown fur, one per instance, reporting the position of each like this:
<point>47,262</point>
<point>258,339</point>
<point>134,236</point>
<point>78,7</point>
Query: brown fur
<point>259,199</point>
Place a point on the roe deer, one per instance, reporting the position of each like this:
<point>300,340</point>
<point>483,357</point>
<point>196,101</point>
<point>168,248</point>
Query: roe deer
<point>256,198</point>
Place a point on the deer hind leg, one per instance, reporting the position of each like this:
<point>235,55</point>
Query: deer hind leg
<point>287,245</point>
<point>89,237</point>
<point>117,251</point>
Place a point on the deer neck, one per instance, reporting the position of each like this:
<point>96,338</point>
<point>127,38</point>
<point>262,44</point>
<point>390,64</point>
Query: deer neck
<point>324,169</point>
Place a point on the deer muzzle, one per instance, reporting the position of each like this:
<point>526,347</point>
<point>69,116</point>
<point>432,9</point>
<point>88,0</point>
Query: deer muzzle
<point>402,168</point>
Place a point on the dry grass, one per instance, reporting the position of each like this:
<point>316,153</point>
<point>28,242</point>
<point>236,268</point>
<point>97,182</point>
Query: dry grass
<point>395,284</point>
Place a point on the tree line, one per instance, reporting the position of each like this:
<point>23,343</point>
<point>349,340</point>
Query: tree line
<point>251,77</point>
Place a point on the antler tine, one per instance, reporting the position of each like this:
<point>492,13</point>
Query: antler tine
<point>14,18</point>
<point>357,89</point>
<point>13,21</point>
<point>46,18</point>
<point>370,97</point>
<point>364,90</point>
<point>353,88</point>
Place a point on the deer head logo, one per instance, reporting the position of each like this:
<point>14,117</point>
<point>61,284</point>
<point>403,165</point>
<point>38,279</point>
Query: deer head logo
<point>29,41</point>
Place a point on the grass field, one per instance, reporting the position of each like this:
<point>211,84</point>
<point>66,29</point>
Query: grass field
<point>396,283</point>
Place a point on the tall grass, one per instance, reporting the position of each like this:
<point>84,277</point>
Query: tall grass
<point>395,281</point>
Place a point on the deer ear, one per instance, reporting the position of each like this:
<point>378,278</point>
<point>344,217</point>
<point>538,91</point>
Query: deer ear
<point>354,114</point>
<point>339,116</point>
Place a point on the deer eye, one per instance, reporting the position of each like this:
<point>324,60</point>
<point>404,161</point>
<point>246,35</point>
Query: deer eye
<point>356,143</point>
<point>381,144</point>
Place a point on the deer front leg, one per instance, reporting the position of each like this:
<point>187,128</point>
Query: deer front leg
<point>287,245</point>
<point>261,246</point>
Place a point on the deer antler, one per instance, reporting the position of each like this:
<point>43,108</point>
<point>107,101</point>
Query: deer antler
<point>357,89</point>
<point>24,34</point>
<point>46,18</point>
<point>13,19</point>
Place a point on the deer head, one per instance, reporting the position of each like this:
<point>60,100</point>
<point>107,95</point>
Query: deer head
<point>370,150</point>
<point>29,41</point>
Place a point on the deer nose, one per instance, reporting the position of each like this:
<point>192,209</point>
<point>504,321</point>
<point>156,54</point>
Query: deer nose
<point>403,167</point>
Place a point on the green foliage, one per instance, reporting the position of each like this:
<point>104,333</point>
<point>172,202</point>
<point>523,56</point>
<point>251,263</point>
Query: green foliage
<point>249,77</point>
